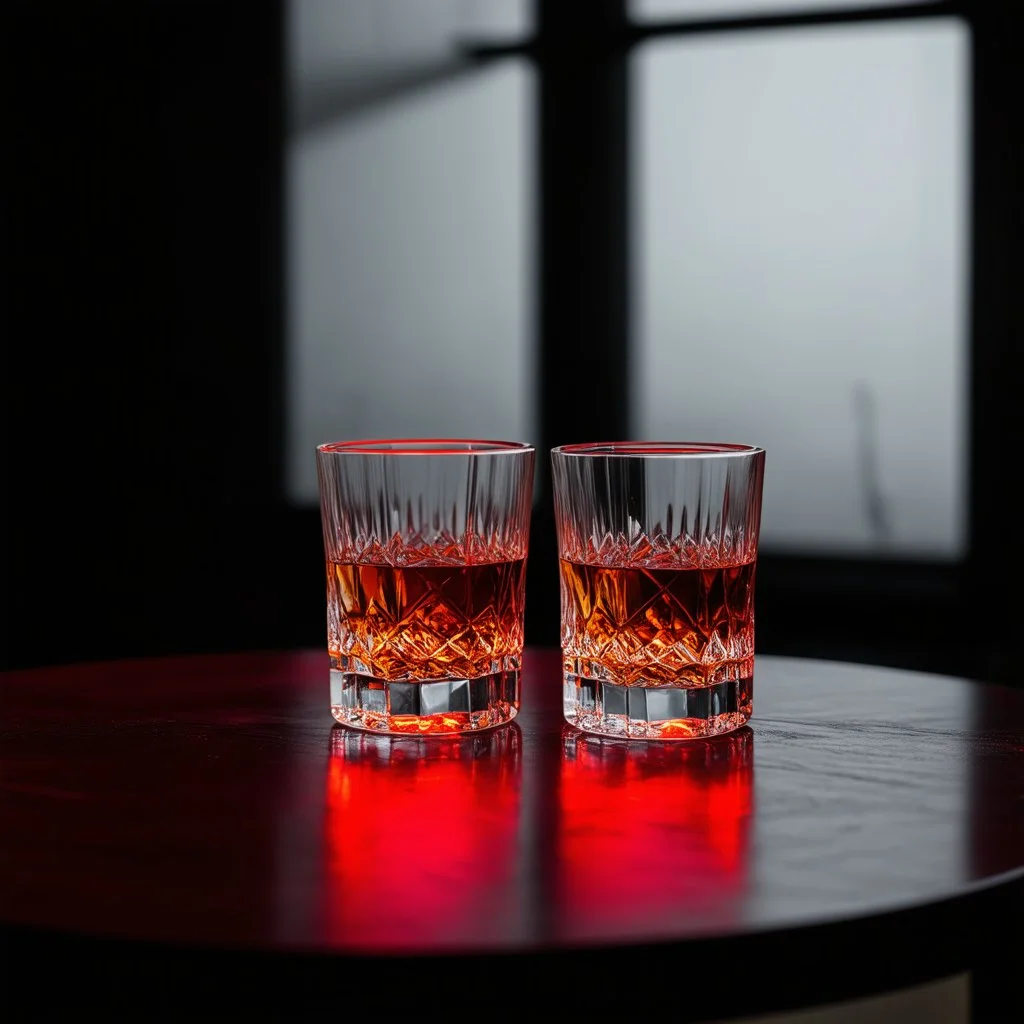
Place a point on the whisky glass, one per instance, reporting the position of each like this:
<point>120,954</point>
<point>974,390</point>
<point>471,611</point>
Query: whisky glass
<point>657,545</point>
<point>425,545</point>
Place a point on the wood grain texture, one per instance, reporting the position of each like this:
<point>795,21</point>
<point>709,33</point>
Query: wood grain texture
<point>203,816</point>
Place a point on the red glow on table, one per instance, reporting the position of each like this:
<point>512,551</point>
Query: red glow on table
<point>650,832</point>
<point>418,833</point>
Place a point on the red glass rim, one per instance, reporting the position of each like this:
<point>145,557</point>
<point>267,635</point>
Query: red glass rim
<point>424,446</point>
<point>643,449</point>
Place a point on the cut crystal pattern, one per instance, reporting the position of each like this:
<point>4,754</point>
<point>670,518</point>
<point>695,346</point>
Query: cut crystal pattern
<point>658,546</point>
<point>426,554</point>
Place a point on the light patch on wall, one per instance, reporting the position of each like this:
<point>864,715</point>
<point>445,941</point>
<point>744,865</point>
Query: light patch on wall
<point>407,212</point>
<point>801,277</point>
<point>659,10</point>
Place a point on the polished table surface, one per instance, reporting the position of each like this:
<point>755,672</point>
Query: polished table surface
<point>865,831</point>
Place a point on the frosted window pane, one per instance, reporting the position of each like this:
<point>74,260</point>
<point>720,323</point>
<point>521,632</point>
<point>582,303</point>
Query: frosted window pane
<point>801,273</point>
<point>333,44</point>
<point>652,10</point>
<point>409,312</point>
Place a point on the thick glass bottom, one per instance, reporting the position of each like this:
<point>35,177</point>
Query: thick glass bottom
<point>423,708</point>
<point>657,712</point>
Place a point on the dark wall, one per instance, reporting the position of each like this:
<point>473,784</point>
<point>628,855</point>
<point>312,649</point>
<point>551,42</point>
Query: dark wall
<point>145,332</point>
<point>143,384</point>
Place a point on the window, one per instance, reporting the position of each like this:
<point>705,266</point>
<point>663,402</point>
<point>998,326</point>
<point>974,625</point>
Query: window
<point>758,229</point>
<point>800,272</point>
<point>408,244</point>
<point>663,9</point>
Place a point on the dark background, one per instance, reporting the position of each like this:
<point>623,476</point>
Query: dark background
<point>144,344</point>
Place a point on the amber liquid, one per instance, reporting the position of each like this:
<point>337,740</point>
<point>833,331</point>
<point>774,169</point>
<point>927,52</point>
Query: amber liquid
<point>648,627</point>
<point>661,653</point>
<point>425,621</point>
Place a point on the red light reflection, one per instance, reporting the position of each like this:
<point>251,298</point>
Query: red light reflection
<point>652,834</point>
<point>421,834</point>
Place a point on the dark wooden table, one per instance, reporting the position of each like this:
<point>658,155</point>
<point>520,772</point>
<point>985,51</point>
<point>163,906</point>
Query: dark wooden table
<point>198,833</point>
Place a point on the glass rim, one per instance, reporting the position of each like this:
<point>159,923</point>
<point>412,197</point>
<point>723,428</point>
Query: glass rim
<point>657,449</point>
<point>424,446</point>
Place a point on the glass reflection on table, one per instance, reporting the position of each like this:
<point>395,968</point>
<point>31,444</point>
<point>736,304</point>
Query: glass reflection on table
<point>419,834</point>
<point>651,834</point>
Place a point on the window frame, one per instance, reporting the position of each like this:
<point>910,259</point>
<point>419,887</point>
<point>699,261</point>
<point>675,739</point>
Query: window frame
<point>808,604</point>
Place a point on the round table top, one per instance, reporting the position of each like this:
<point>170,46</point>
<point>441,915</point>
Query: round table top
<point>211,803</point>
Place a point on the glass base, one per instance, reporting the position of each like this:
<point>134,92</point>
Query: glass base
<point>657,712</point>
<point>428,707</point>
